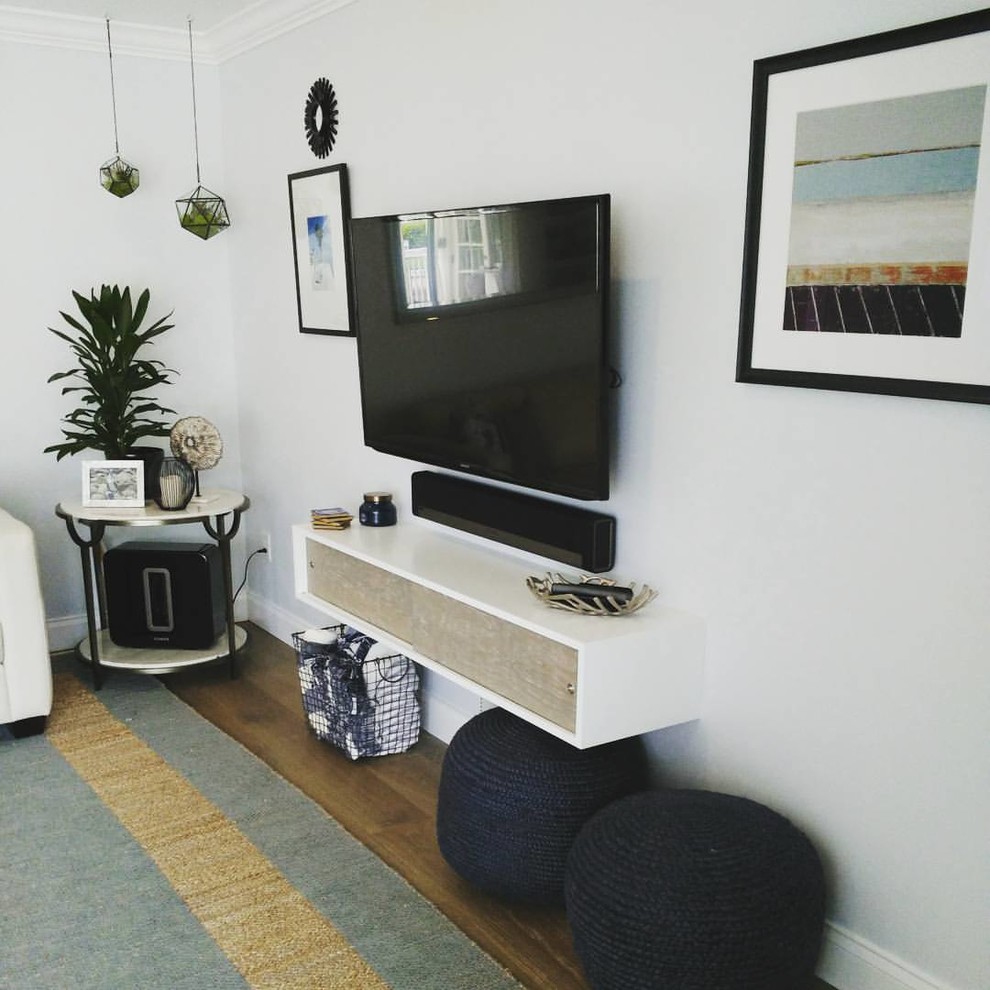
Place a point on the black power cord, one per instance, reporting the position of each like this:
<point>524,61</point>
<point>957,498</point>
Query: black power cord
<point>251,555</point>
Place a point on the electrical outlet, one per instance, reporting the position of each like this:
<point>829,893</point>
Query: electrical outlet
<point>266,540</point>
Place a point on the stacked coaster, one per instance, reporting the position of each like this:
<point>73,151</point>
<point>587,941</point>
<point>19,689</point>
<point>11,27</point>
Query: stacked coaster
<point>336,518</point>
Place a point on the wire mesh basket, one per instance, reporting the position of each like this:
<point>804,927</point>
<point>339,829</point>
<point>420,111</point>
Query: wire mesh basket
<point>357,696</point>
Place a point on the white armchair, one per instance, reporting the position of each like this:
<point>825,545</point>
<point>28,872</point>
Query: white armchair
<point>25,666</point>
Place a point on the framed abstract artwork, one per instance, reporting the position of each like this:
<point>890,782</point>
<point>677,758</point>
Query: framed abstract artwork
<point>319,207</point>
<point>867,249</point>
<point>113,484</point>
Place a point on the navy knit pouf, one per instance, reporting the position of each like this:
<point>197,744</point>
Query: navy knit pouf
<point>513,798</point>
<point>693,890</point>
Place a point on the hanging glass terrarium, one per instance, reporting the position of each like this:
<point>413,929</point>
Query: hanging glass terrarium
<point>117,176</point>
<point>202,212</point>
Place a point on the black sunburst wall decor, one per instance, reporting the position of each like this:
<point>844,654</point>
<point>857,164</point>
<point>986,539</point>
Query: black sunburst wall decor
<point>320,118</point>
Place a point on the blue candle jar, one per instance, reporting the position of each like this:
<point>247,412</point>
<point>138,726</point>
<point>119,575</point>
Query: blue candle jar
<point>377,509</point>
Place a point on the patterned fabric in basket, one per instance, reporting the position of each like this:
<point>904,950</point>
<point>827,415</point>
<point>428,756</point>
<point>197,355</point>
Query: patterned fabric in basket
<point>357,695</point>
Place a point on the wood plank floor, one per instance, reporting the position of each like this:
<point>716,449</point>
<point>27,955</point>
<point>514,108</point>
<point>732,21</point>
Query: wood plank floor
<point>388,803</point>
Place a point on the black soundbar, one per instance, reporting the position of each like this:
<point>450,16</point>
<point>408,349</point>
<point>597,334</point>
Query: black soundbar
<point>578,537</point>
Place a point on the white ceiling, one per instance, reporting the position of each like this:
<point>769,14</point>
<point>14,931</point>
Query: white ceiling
<point>156,28</point>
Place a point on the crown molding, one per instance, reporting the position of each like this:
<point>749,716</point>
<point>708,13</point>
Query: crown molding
<point>263,21</point>
<point>89,34</point>
<point>255,25</point>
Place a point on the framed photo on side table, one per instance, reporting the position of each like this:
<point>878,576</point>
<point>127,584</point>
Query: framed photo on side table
<point>320,209</point>
<point>113,484</point>
<point>867,251</point>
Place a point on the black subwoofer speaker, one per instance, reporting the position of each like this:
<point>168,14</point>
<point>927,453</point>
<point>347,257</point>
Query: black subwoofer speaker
<point>578,537</point>
<point>164,594</point>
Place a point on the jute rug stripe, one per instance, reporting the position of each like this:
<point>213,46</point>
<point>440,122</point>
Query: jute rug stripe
<point>267,929</point>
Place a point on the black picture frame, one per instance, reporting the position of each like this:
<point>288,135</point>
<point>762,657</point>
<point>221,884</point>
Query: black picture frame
<point>320,214</point>
<point>882,78</point>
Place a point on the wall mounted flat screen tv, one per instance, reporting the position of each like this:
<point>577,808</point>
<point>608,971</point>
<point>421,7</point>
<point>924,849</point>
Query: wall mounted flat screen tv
<point>482,340</point>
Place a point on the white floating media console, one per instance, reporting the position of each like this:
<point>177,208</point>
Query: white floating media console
<point>463,610</point>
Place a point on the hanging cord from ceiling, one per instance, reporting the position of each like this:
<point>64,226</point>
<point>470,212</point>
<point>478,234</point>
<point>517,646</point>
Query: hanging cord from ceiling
<point>192,75</point>
<point>113,93</point>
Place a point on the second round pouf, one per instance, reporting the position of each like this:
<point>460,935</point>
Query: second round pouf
<point>694,890</point>
<point>513,798</point>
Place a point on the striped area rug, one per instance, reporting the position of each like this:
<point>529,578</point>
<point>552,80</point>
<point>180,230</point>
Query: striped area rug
<point>140,847</point>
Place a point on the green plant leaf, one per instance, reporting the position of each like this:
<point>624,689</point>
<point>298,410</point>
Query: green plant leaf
<point>111,382</point>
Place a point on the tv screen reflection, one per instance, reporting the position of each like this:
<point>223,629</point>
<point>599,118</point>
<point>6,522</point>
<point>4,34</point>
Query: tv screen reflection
<point>465,257</point>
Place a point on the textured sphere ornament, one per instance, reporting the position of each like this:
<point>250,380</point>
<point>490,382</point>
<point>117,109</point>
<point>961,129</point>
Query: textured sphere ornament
<point>119,176</point>
<point>196,441</point>
<point>202,213</point>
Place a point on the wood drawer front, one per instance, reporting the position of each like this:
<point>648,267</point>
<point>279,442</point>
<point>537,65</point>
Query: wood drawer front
<point>538,673</point>
<point>364,590</point>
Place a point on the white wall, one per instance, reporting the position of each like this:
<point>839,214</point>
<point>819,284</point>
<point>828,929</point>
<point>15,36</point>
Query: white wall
<point>61,231</point>
<point>836,544</point>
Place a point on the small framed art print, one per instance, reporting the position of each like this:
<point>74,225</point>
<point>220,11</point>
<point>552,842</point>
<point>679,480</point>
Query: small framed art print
<point>319,206</point>
<point>113,484</point>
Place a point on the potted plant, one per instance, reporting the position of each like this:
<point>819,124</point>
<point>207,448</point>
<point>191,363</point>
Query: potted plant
<point>110,378</point>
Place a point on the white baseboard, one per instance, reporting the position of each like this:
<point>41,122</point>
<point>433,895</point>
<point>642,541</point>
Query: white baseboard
<point>442,720</point>
<point>278,621</point>
<point>850,962</point>
<point>66,632</point>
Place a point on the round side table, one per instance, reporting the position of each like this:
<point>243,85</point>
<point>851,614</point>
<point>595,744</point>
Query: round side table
<point>219,512</point>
